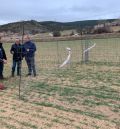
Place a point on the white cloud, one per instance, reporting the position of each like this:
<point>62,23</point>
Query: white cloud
<point>59,10</point>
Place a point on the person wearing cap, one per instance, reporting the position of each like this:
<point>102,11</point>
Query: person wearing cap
<point>3,59</point>
<point>17,50</point>
<point>30,49</point>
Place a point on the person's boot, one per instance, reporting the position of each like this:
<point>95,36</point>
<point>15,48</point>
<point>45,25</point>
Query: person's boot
<point>1,77</point>
<point>29,74</point>
<point>18,73</point>
<point>35,75</point>
<point>12,74</point>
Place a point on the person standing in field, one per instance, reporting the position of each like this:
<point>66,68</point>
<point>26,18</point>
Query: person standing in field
<point>3,59</point>
<point>30,49</point>
<point>17,50</point>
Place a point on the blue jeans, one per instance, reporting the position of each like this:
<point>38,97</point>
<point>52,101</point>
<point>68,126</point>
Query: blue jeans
<point>18,64</point>
<point>31,65</point>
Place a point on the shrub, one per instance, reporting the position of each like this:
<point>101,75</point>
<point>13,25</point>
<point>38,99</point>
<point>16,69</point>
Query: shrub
<point>56,34</point>
<point>102,30</point>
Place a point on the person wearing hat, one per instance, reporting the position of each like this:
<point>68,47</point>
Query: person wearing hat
<point>3,59</point>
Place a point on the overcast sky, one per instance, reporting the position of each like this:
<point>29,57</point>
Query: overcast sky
<point>58,10</point>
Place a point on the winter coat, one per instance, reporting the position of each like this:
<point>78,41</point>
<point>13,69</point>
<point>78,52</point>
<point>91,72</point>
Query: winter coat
<point>2,53</point>
<point>18,51</point>
<point>29,45</point>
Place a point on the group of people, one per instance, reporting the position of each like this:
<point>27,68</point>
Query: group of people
<point>19,51</point>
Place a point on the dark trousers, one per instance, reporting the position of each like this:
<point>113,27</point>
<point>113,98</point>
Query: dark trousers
<point>31,65</point>
<point>1,69</point>
<point>18,64</point>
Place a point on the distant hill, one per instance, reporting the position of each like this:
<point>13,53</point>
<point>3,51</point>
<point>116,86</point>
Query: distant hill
<point>33,26</point>
<point>29,26</point>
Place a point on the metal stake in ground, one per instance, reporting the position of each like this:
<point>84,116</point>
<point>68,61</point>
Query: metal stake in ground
<point>87,52</point>
<point>58,61</point>
<point>20,79</point>
<point>82,47</point>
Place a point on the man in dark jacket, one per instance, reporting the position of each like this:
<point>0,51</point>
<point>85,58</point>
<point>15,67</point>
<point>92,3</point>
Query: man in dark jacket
<point>3,59</point>
<point>18,51</point>
<point>30,49</point>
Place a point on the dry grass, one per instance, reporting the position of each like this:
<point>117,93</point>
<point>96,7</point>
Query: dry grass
<point>77,97</point>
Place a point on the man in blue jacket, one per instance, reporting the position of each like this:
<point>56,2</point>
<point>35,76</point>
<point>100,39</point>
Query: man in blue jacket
<point>30,49</point>
<point>3,59</point>
<point>18,51</point>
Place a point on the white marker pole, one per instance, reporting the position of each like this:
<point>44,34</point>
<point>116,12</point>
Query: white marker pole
<point>89,48</point>
<point>67,59</point>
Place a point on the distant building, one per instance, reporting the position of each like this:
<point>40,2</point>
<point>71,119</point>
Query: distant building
<point>51,34</point>
<point>75,35</point>
<point>98,26</point>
